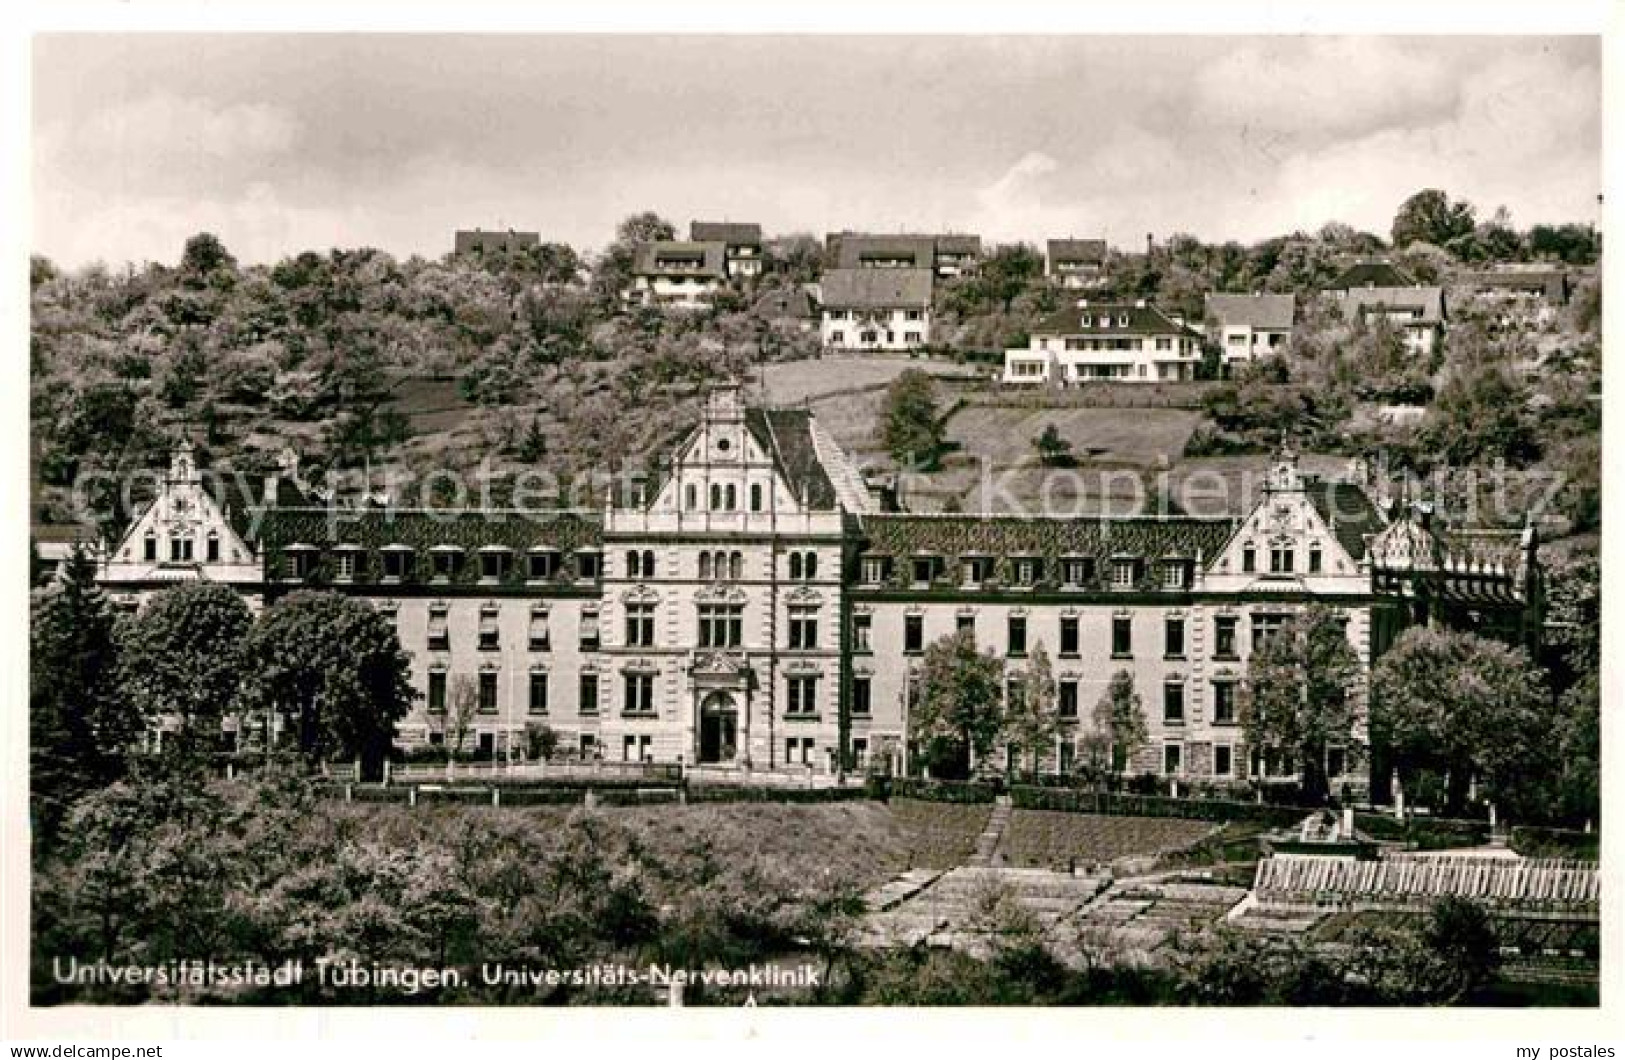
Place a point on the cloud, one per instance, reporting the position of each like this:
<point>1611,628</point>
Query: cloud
<point>1327,87</point>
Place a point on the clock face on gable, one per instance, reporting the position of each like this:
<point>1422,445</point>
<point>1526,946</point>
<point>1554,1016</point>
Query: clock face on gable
<point>723,447</point>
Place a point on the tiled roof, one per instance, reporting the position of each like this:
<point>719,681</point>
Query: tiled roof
<point>1552,284</point>
<point>1251,310</point>
<point>959,244</point>
<point>1429,301</point>
<point>850,249</point>
<point>1141,320</point>
<point>793,302</point>
<point>1089,251</point>
<point>733,232</point>
<point>786,434</point>
<point>1370,274</point>
<point>1348,510</point>
<point>422,530</point>
<point>479,240</point>
<point>709,255</point>
<point>951,537</point>
<point>877,288</point>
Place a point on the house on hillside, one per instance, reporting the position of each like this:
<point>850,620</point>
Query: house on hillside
<point>1247,326</point>
<point>479,241</point>
<point>1368,274</point>
<point>742,243</point>
<point>1416,312</point>
<point>1518,296</point>
<point>788,307</point>
<point>857,250</point>
<point>876,309</point>
<point>676,274</point>
<point>1132,342</point>
<point>1077,263</point>
<point>957,255</point>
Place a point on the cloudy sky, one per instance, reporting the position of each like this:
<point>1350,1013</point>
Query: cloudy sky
<point>286,143</point>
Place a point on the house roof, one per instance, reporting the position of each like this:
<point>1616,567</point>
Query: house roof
<point>959,244</point>
<point>1370,274</point>
<point>1427,301</point>
<point>423,530</point>
<point>1089,251</point>
<point>467,241</point>
<point>1347,509</point>
<point>954,536</point>
<point>709,255</point>
<point>1142,319</point>
<point>793,302</point>
<point>1552,284</point>
<point>786,435</point>
<point>1272,311</point>
<point>877,288</point>
<point>736,233</point>
<point>851,249</point>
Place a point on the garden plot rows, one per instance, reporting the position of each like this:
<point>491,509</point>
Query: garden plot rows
<point>1051,838</point>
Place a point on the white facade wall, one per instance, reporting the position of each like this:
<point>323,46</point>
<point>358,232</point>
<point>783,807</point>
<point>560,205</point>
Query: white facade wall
<point>876,329</point>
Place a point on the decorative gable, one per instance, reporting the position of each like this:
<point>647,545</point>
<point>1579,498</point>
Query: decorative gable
<point>184,534</point>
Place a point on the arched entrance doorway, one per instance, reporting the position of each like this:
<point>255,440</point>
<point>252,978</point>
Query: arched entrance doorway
<point>719,728</point>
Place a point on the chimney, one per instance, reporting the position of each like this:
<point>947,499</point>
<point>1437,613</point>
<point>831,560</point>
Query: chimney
<point>1148,244</point>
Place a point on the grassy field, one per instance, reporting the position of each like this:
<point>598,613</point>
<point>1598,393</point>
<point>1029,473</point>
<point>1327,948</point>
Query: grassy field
<point>938,835</point>
<point>1045,838</point>
<point>1136,437</point>
<point>792,382</point>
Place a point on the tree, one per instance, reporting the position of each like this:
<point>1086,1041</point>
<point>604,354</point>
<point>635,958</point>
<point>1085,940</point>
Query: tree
<point>645,227</point>
<point>1053,450</point>
<point>181,658</point>
<point>957,717</point>
<point>1120,718</point>
<point>1299,695</point>
<point>1030,715</point>
<point>1431,217</point>
<point>79,725</point>
<point>1456,703</point>
<point>910,422</point>
<point>462,701</point>
<point>335,668</point>
<point>1574,610</point>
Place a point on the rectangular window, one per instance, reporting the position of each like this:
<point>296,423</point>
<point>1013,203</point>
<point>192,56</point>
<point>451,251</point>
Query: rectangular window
<point>397,564</point>
<point>149,552</point>
<point>965,624</point>
<point>640,693</point>
<point>1223,765</point>
<point>488,692</point>
<point>1027,571</point>
<point>212,549</point>
<point>860,752</point>
<point>874,569</point>
<point>589,630</point>
<point>1314,561</point>
<point>640,625</point>
<point>1173,703</point>
<point>721,625</point>
<point>1079,571</point>
<point>588,565</point>
<point>803,628</point>
<point>493,565</point>
<point>543,565</point>
<point>1173,575</point>
<point>538,692</point>
<point>490,629</point>
<point>913,633</point>
<point>1280,561</point>
<point>1173,630</point>
<point>911,314</point>
<point>439,635</point>
<point>862,629</point>
<point>924,568</point>
<point>1173,759</point>
<point>801,697</point>
<point>437,691</point>
<point>1265,627</point>
<point>1224,702</point>
<point>540,637</point>
<point>1068,702</point>
<point>1017,635</point>
<point>861,692</point>
<point>587,696</point>
<point>344,564</point>
<point>799,751</point>
<point>445,564</point>
<point>1122,637</point>
<point>1249,560</point>
<point>1123,574</point>
<point>1069,636</point>
<point>1224,637</point>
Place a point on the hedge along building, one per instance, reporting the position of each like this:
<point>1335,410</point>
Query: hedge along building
<point>753,607</point>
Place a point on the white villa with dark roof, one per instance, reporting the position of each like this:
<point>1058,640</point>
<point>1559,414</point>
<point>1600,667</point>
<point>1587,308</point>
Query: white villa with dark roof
<point>742,244</point>
<point>677,274</point>
<point>1126,342</point>
<point>1248,326</point>
<point>1076,263</point>
<point>876,309</point>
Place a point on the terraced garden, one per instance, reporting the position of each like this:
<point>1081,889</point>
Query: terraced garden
<point>1047,838</point>
<point>939,835</point>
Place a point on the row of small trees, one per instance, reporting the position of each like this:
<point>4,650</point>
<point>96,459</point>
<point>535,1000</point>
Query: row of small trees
<point>1472,716</point>
<point>330,667</point>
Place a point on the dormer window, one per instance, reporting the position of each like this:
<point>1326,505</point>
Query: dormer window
<point>1078,570</point>
<point>923,568</point>
<point>397,562</point>
<point>588,565</point>
<point>978,569</point>
<point>1122,573</point>
<point>447,559</point>
<point>344,562</point>
<point>299,560</point>
<point>874,569</point>
<point>494,561</point>
<point>1173,574</point>
<point>1027,570</point>
<point>544,563</point>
